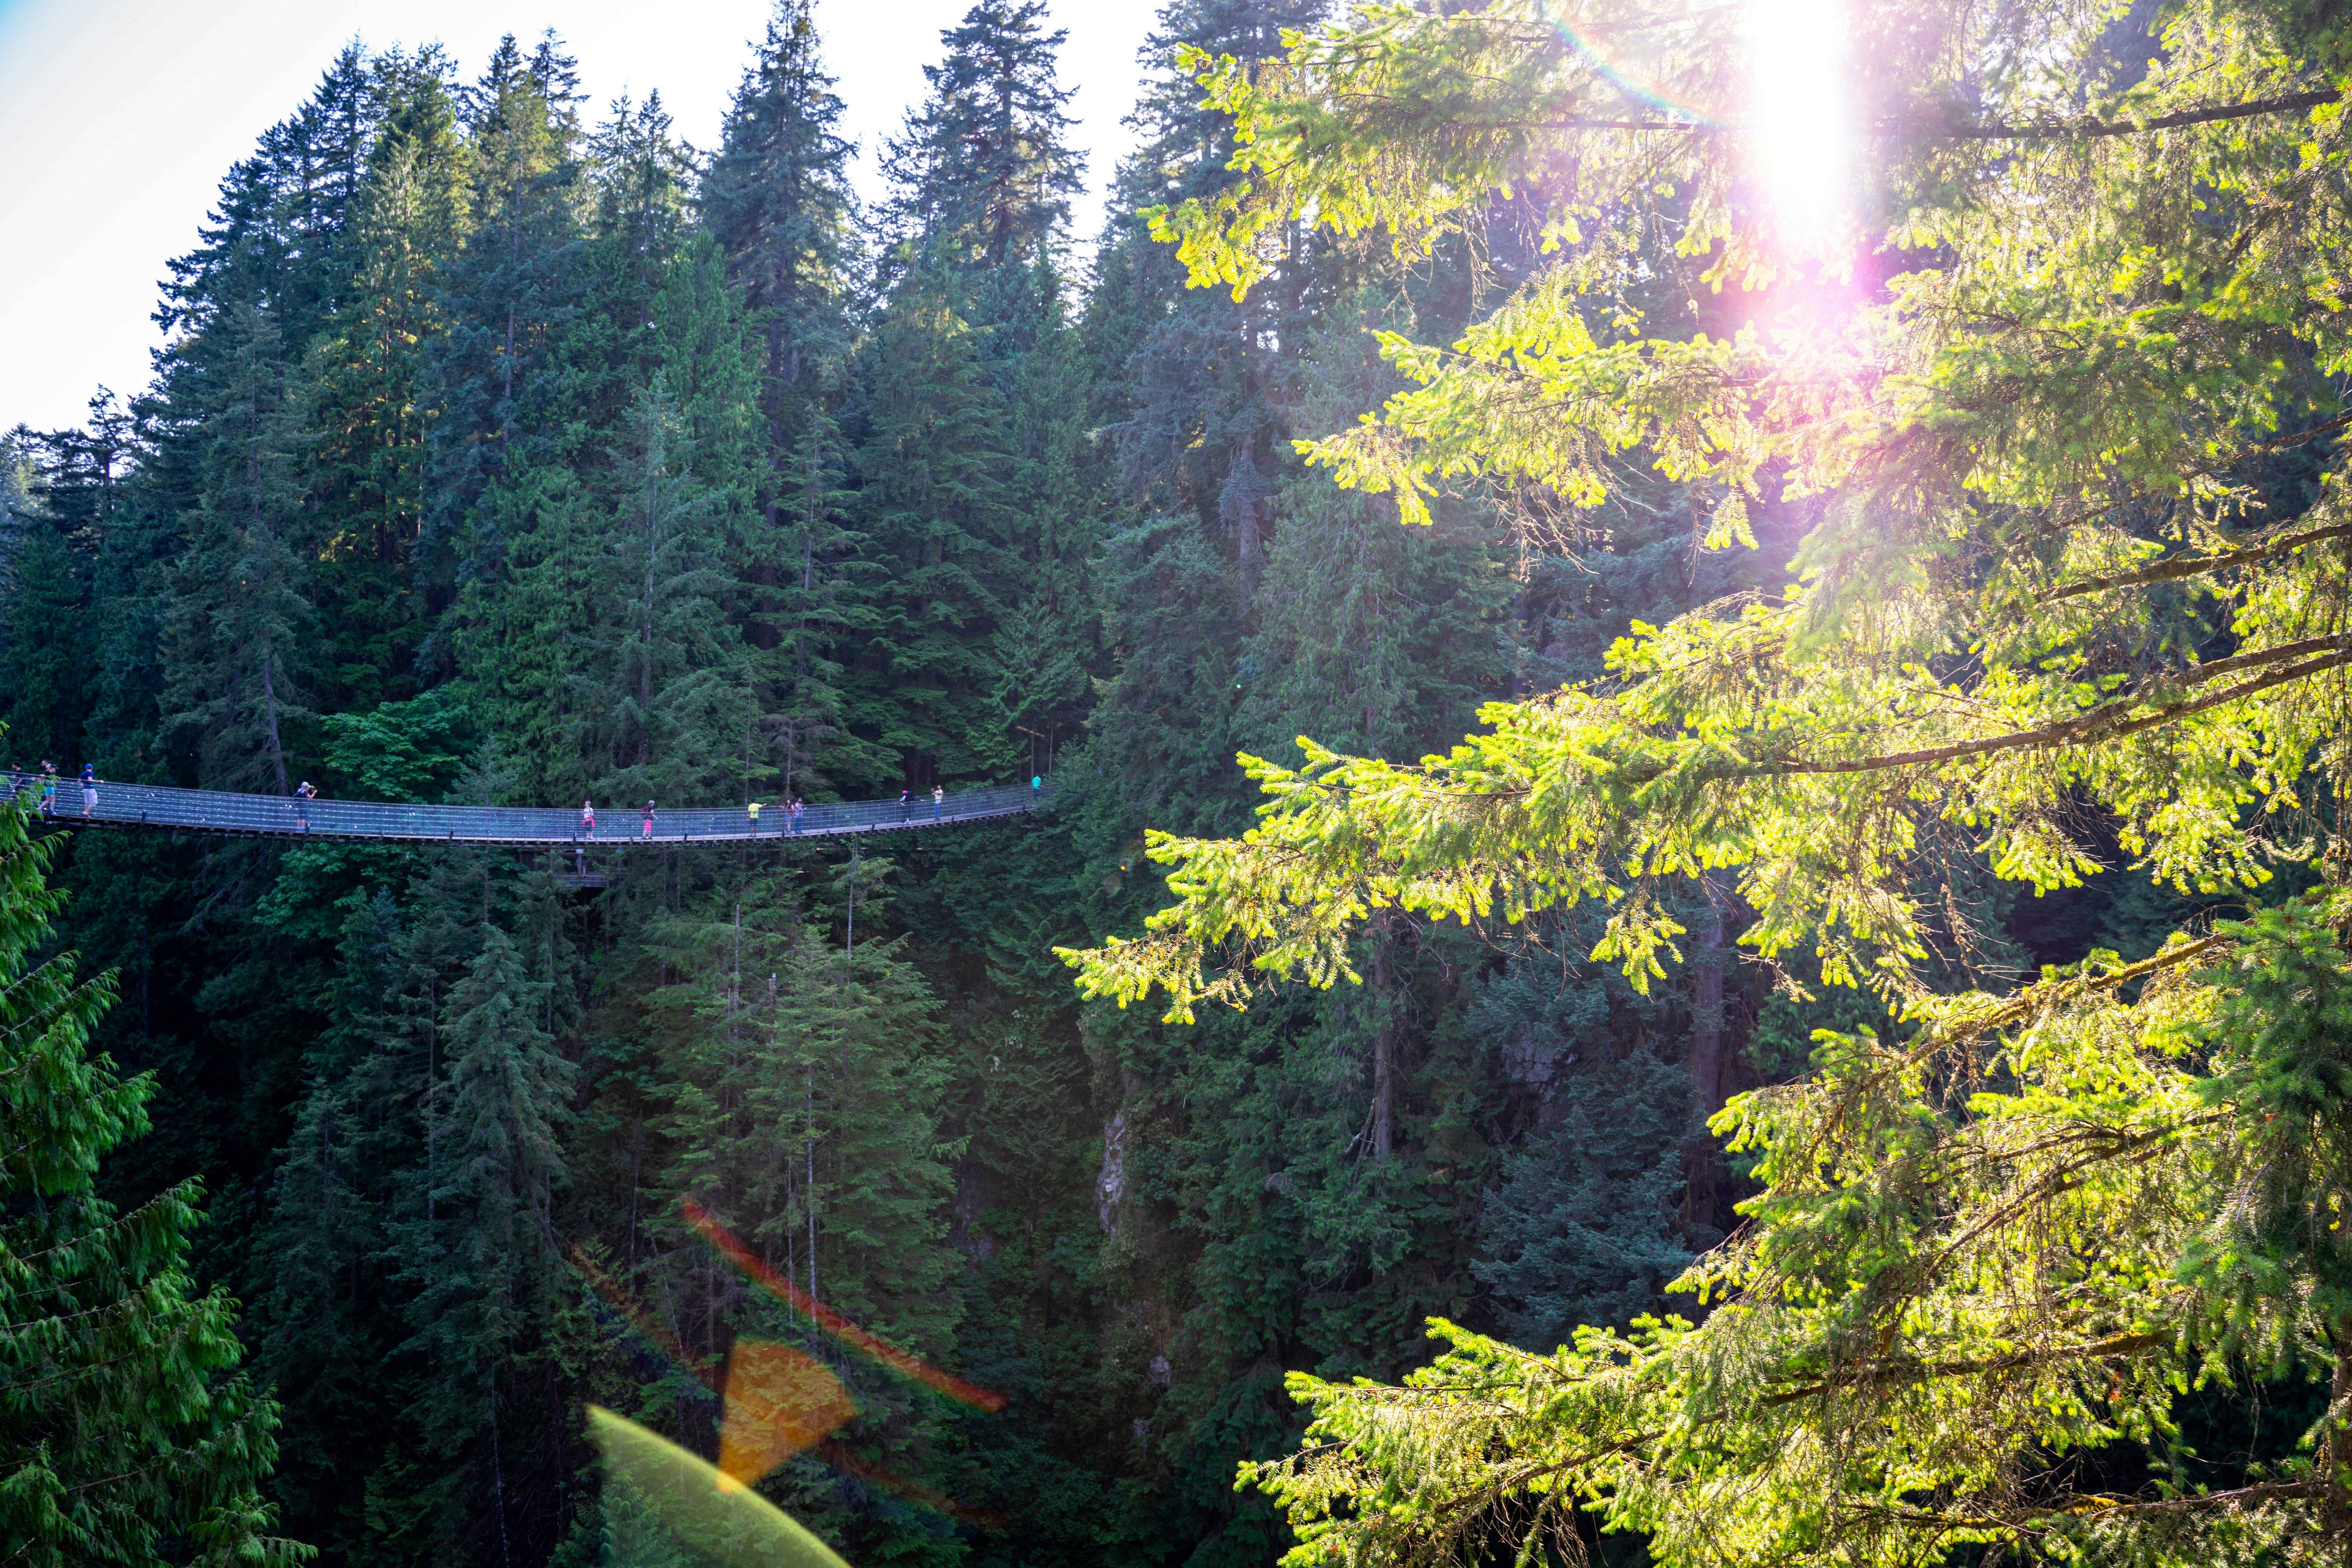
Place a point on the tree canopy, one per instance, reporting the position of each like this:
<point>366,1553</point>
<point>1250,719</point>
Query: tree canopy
<point>1874,468</point>
<point>127,1433</point>
<point>2048,401</point>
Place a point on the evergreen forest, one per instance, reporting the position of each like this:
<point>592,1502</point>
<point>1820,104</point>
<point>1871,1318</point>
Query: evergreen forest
<point>1693,907</point>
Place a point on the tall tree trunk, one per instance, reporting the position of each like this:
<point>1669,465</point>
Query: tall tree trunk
<point>776,377</point>
<point>269,718</point>
<point>1241,505</point>
<point>2335,1456</point>
<point>1383,1049</point>
<point>1705,1059</point>
<point>646,671</point>
<point>498,1479</point>
<point>506,380</point>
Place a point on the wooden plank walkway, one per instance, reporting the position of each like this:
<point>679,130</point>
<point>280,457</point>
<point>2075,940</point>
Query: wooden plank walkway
<point>277,816</point>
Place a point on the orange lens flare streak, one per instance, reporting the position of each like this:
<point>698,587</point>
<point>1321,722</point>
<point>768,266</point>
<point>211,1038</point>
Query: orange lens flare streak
<point>831,1450</point>
<point>638,1319</point>
<point>778,1403</point>
<point>831,1322</point>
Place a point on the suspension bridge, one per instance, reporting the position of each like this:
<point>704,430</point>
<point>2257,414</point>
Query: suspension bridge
<point>281,816</point>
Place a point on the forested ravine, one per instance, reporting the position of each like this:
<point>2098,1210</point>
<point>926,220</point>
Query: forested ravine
<point>508,451</point>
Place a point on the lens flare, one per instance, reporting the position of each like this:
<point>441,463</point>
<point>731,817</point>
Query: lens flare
<point>1625,68</point>
<point>832,1322</point>
<point>778,1403</point>
<point>804,1408</point>
<point>1800,130</point>
<point>652,1481</point>
<point>639,1322</point>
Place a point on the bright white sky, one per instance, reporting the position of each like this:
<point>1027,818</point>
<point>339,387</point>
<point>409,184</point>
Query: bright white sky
<point>118,118</point>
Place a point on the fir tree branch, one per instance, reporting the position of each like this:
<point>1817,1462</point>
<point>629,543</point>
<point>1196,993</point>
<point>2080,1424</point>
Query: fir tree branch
<point>2181,566</point>
<point>2017,131</point>
<point>1862,1377</point>
<point>185,1195</point>
<point>2104,722</point>
<point>2050,130</point>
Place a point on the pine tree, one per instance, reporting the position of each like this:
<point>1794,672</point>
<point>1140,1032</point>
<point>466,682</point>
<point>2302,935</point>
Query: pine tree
<point>808,1083</point>
<point>124,1427</point>
<point>369,409</point>
<point>971,505</point>
<point>818,612</point>
<point>481,1258</point>
<point>1582,1228</point>
<point>1048,649</point>
<point>325,1315</point>
<point>777,203</point>
<point>1199,386</point>
<point>743,510</point>
<point>541,547</point>
<point>934,513</point>
<point>985,169</point>
<point>804,1117</point>
<point>67,494</point>
<point>666,700</point>
<point>642,179</point>
<point>44,622</point>
<point>502,405</point>
<point>239,626</point>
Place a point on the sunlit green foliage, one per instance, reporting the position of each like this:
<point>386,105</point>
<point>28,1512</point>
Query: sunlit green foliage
<point>2071,583</point>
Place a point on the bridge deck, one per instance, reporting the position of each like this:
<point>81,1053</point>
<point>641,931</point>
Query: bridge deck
<point>270,816</point>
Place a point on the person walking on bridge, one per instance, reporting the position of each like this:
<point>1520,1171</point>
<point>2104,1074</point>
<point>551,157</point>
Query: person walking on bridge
<point>938,798</point>
<point>754,809</point>
<point>48,789</point>
<point>88,790</point>
<point>648,832</point>
<point>588,819</point>
<point>799,806</point>
<point>902,806</point>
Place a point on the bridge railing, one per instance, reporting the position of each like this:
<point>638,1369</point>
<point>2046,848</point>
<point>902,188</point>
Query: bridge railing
<point>216,811</point>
